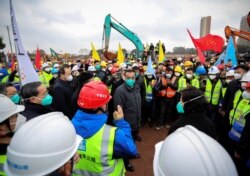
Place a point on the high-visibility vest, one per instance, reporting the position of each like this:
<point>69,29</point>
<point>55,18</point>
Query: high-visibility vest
<point>3,159</point>
<point>168,92</point>
<point>6,79</point>
<point>96,155</point>
<point>238,122</point>
<point>149,91</point>
<point>224,89</point>
<point>236,101</point>
<point>215,96</point>
<point>182,84</point>
<point>45,78</point>
<point>96,78</point>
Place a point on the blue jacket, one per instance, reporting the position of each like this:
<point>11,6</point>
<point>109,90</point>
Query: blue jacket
<point>87,125</point>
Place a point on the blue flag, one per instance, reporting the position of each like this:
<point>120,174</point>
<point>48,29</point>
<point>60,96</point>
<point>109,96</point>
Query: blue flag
<point>150,68</point>
<point>229,54</point>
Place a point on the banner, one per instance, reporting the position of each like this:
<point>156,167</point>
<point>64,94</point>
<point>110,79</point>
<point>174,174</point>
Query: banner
<point>161,54</point>
<point>150,68</point>
<point>53,53</point>
<point>95,54</point>
<point>120,55</point>
<point>26,69</point>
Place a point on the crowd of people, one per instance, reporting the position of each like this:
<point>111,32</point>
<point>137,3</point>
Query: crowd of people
<point>85,117</point>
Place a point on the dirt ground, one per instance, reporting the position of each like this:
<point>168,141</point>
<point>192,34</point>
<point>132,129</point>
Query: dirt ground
<point>144,165</point>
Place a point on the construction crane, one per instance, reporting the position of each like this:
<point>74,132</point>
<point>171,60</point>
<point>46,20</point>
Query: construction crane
<point>108,24</point>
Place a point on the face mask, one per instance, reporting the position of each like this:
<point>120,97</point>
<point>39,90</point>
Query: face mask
<point>47,69</point>
<point>243,85</point>
<point>55,75</point>
<point>177,74</point>
<point>98,67</point>
<point>70,78</point>
<point>189,76</point>
<point>130,82</point>
<point>228,81</point>
<point>47,100</point>
<point>150,76</point>
<point>162,73</point>
<point>19,122</point>
<point>15,98</point>
<point>237,76</point>
<point>246,95</point>
<point>180,108</point>
<point>168,75</point>
<point>103,69</point>
<point>76,73</point>
<point>212,77</point>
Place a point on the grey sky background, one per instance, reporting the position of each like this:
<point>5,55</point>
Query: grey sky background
<point>69,25</point>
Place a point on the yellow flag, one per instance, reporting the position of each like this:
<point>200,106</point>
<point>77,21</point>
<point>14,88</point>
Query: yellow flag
<point>120,56</point>
<point>161,54</point>
<point>95,54</point>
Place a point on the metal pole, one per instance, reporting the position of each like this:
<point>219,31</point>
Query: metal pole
<point>7,27</point>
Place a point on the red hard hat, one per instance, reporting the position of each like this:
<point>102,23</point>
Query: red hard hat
<point>248,85</point>
<point>93,95</point>
<point>114,70</point>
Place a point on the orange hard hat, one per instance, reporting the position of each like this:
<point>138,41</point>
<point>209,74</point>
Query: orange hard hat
<point>93,95</point>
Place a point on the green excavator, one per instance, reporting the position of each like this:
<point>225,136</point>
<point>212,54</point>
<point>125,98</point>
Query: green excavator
<point>108,24</point>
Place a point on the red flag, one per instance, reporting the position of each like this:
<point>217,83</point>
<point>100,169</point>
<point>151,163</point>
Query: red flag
<point>209,42</point>
<point>12,64</point>
<point>200,55</point>
<point>38,59</point>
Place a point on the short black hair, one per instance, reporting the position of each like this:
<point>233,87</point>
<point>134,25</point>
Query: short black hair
<point>29,90</point>
<point>198,105</point>
<point>189,69</point>
<point>62,69</point>
<point>244,67</point>
<point>3,87</point>
<point>96,61</point>
<point>128,70</point>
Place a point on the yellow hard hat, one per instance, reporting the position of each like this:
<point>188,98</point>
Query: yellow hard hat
<point>178,69</point>
<point>188,64</point>
<point>103,64</point>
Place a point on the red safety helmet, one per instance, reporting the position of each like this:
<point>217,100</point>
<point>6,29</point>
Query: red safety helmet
<point>248,85</point>
<point>93,95</point>
<point>114,70</point>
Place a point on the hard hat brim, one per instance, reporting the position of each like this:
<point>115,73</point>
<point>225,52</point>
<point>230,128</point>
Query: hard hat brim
<point>7,114</point>
<point>156,158</point>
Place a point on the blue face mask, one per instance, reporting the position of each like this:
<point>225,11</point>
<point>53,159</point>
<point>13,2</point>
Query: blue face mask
<point>47,100</point>
<point>180,108</point>
<point>130,82</point>
<point>15,98</point>
<point>98,67</point>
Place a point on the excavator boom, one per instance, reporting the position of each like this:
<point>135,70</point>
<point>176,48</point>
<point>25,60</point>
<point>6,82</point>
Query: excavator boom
<point>229,31</point>
<point>124,31</point>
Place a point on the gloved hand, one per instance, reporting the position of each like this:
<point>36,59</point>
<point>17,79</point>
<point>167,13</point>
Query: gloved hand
<point>119,113</point>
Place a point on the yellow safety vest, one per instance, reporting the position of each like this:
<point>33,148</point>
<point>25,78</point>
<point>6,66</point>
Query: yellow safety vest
<point>45,78</point>
<point>3,159</point>
<point>215,96</point>
<point>224,89</point>
<point>149,91</point>
<point>96,155</point>
<point>235,104</point>
<point>238,121</point>
<point>182,83</point>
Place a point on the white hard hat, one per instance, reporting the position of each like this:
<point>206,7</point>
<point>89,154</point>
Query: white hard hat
<point>135,65</point>
<point>179,59</point>
<point>42,145</point>
<point>230,73</point>
<point>45,65</point>
<point>189,151</point>
<point>91,68</point>
<point>213,70</point>
<point>8,108</point>
<point>246,77</point>
<point>56,65</point>
<point>75,68</point>
<point>122,65</point>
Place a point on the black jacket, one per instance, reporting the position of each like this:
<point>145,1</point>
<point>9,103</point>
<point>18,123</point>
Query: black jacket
<point>33,110</point>
<point>130,101</point>
<point>198,120</point>
<point>62,97</point>
<point>232,88</point>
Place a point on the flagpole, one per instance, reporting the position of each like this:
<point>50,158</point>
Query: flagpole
<point>8,29</point>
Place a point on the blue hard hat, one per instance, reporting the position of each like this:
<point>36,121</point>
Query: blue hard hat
<point>200,70</point>
<point>54,71</point>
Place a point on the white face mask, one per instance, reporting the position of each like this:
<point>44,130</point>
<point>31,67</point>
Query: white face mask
<point>55,75</point>
<point>168,75</point>
<point>177,74</point>
<point>212,77</point>
<point>228,81</point>
<point>47,69</point>
<point>246,95</point>
<point>189,76</point>
<point>243,85</point>
<point>237,76</point>
<point>70,78</point>
<point>19,122</point>
<point>150,76</point>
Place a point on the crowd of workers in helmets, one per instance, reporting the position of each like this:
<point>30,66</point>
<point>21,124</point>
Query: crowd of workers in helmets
<point>97,108</point>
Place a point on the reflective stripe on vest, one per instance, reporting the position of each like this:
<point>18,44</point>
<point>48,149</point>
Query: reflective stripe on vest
<point>235,103</point>
<point>239,120</point>
<point>213,97</point>
<point>182,84</point>
<point>3,159</point>
<point>96,155</point>
<point>149,90</point>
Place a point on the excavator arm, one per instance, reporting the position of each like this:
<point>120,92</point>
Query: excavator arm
<point>229,31</point>
<point>124,31</point>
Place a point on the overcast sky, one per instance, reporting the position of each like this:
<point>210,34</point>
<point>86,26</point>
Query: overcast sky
<point>69,25</point>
